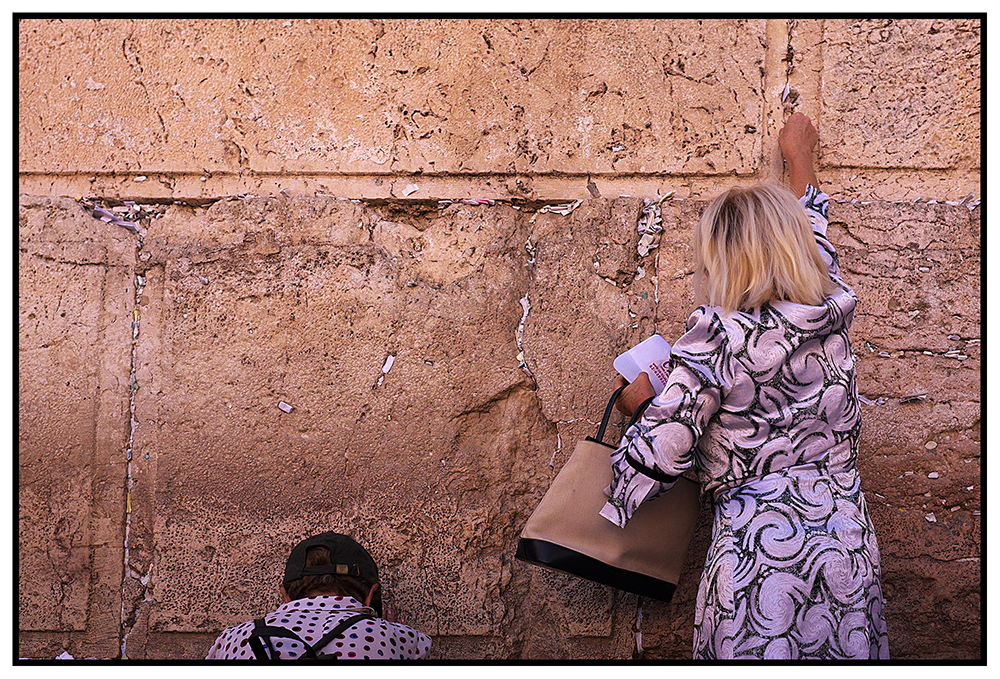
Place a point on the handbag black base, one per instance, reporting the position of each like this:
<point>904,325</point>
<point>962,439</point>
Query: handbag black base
<point>561,559</point>
<point>566,532</point>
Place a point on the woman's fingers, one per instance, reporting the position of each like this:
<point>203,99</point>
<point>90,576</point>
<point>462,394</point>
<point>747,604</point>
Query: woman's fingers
<point>644,386</point>
<point>798,136</point>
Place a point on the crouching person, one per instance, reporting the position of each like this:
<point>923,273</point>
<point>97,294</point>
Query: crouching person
<point>332,610</point>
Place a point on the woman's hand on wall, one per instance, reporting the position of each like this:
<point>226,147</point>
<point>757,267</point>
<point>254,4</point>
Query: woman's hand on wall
<point>634,394</point>
<point>797,140</point>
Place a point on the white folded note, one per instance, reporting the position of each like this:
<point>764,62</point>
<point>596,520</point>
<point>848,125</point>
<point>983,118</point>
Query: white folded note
<point>651,356</point>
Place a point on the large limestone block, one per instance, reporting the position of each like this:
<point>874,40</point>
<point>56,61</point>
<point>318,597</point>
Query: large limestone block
<point>390,96</point>
<point>438,457</point>
<point>915,268</point>
<point>916,271</point>
<point>901,93</point>
<point>75,301</point>
<point>434,458</point>
<point>586,304</point>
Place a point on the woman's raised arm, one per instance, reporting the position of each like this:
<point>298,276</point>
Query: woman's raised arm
<point>797,140</point>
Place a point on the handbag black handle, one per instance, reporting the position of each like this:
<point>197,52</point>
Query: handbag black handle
<point>607,414</point>
<point>638,411</point>
<point>611,405</point>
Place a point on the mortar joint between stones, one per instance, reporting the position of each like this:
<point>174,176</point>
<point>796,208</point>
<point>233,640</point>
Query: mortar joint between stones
<point>125,626</point>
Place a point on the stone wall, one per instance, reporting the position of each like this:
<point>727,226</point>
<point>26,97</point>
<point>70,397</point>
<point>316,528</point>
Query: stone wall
<point>300,238</point>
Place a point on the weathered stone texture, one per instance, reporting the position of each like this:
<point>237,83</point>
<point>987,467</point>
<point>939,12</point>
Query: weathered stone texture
<point>390,96</point>
<point>334,106</point>
<point>442,361</point>
<point>439,460</point>
<point>438,445</point>
<point>885,81</point>
<point>75,299</point>
<point>584,291</point>
<point>917,329</point>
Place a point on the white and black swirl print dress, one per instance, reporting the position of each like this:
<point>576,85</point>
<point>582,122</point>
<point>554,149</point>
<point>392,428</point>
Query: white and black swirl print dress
<point>764,407</point>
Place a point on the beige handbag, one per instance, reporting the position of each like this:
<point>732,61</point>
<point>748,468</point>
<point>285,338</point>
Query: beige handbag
<point>567,533</point>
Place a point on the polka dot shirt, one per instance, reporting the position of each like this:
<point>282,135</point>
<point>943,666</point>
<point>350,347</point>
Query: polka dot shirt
<point>312,618</point>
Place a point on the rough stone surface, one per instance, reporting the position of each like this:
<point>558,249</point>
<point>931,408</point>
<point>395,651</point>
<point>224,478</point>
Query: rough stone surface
<point>501,320</point>
<point>492,108</point>
<point>884,80</point>
<point>398,96</point>
<point>75,301</point>
<point>424,449</point>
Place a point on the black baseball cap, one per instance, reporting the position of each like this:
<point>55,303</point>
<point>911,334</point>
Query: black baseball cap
<point>348,557</point>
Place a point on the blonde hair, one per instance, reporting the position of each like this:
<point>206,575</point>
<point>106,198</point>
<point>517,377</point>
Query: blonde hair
<point>756,245</point>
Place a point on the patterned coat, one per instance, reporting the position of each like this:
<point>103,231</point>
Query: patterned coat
<point>764,406</point>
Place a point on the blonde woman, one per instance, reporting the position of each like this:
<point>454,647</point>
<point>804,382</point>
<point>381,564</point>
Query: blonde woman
<point>762,403</point>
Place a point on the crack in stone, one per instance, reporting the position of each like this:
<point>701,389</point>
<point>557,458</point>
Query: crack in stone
<point>789,96</point>
<point>60,260</point>
<point>129,614</point>
<point>522,361</point>
<point>127,620</point>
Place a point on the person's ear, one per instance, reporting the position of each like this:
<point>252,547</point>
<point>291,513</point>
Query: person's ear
<point>371,595</point>
<point>284,594</point>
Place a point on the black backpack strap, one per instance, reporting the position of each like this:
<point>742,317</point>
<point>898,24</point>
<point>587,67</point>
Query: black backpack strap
<point>335,633</point>
<point>261,630</point>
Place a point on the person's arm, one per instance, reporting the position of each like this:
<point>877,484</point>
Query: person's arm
<point>661,445</point>
<point>797,140</point>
